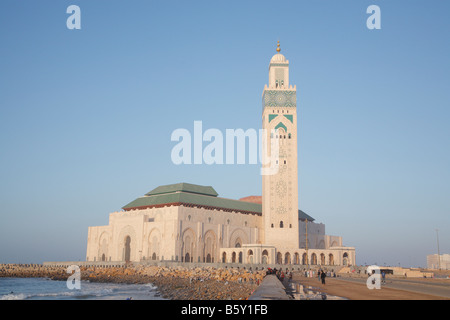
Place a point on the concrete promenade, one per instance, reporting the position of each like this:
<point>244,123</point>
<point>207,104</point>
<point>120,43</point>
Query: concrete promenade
<point>270,289</point>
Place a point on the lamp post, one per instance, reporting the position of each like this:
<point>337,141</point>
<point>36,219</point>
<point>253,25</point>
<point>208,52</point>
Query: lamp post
<point>439,254</point>
<point>306,243</point>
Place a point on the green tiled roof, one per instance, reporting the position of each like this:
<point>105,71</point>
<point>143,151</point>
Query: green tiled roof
<point>184,187</point>
<point>303,216</point>
<point>191,194</point>
<point>188,194</point>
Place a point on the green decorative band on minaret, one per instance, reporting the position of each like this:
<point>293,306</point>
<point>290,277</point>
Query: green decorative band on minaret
<point>280,98</point>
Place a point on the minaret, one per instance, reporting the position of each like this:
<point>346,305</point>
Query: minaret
<point>280,187</point>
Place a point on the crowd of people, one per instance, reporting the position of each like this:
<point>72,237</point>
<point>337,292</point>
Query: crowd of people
<point>321,274</point>
<point>281,275</point>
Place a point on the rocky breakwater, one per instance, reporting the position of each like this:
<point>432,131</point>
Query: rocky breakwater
<point>176,283</point>
<point>32,271</point>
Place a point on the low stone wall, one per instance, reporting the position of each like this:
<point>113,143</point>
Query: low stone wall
<point>191,265</point>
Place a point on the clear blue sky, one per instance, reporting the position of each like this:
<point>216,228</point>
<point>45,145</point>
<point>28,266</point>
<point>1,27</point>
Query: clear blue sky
<point>86,115</point>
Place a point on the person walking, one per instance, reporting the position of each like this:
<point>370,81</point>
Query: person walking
<point>323,276</point>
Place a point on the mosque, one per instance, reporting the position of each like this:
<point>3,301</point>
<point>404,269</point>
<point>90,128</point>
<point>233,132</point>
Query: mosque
<point>190,223</point>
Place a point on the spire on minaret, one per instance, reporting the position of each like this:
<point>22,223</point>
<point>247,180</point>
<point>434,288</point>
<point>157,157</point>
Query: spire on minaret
<point>278,47</point>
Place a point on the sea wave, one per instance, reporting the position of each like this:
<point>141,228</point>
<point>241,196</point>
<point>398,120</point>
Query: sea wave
<point>12,296</point>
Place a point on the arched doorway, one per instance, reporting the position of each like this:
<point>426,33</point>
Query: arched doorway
<point>287,258</point>
<point>296,258</point>
<point>103,257</point>
<point>265,257</point>
<point>304,259</point>
<point>209,247</point>
<point>250,256</point>
<point>313,259</point>
<point>331,259</point>
<point>279,258</point>
<point>187,257</point>
<point>345,259</point>
<point>224,257</point>
<point>322,259</point>
<point>233,257</point>
<point>127,248</point>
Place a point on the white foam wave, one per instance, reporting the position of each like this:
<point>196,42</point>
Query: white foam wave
<point>12,296</point>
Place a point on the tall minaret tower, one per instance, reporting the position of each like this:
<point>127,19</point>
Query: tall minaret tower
<point>280,186</point>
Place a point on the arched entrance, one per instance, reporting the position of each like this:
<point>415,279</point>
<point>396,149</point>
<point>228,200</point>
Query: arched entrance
<point>224,257</point>
<point>187,257</point>
<point>304,259</point>
<point>279,258</point>
<point>127,248</point>
<point>296,258</point>
<point>331,259</point>
<point>287,258</point>
<point>322,259</point>
<point>313,259</point>
<point>265,257</point>
<point>250,256</point>
<point>345,259</point>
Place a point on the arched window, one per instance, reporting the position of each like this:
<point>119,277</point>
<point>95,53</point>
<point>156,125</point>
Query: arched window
<point>281,224</point>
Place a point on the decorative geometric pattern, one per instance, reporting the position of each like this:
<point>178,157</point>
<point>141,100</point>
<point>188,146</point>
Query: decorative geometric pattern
<point>290,117</point>
<point>278,98</point>
<point>272,116</point>
<point>281,125</point>
<point>281,188</point>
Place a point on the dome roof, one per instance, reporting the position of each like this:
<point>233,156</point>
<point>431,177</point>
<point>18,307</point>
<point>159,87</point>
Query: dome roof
<point>278,58</point>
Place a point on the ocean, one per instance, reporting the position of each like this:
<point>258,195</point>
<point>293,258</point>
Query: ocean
<point>46,289</point>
